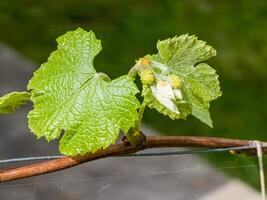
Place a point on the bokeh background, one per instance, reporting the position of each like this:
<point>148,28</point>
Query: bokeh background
<point>129,29</point>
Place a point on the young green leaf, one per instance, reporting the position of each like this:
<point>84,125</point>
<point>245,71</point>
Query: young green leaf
<point>13,101</point>
<point>182,84</point>
<point>68,94</point>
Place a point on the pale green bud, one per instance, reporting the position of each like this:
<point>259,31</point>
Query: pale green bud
<point>147,77</point>
<point>176,82</point>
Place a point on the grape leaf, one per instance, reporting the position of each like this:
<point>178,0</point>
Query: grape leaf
<point>178,64</point>
<point>68,94</point>
<point>13,101</point>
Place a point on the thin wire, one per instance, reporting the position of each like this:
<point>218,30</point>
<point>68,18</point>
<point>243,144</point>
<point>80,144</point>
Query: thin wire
<point>25,159</point>
<point>141,154</point>
<point>186,152</point>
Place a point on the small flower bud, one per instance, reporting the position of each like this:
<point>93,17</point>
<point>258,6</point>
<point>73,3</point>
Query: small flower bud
<point>147,77</point>
<point>175,81</point>
<point>144,61</point>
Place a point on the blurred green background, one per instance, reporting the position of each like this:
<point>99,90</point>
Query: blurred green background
<point>129,29</point>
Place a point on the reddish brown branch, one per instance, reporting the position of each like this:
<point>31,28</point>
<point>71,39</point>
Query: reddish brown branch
<point>119,149</point>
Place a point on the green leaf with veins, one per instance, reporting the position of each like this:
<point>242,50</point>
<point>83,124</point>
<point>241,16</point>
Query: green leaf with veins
<point>68,94</point>
<point>13,101</point>
<point>180,57</point>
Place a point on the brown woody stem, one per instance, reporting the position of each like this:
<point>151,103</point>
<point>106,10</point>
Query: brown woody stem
<point>121,149</point>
